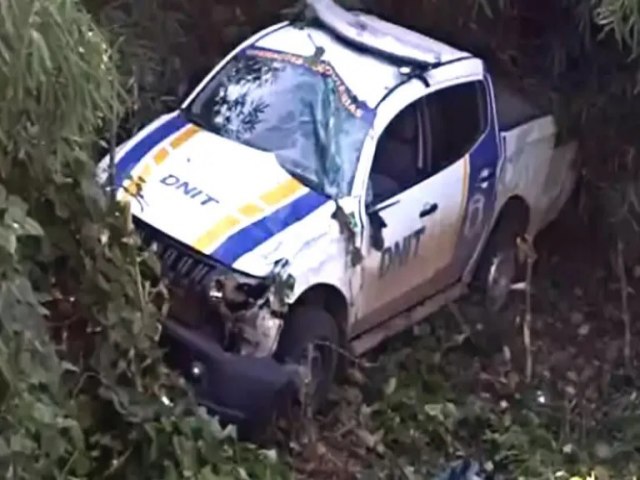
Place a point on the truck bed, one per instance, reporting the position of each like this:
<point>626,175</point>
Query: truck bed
<point>513,108</point>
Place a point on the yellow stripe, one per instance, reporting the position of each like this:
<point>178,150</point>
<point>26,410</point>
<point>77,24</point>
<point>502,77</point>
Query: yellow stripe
<point>277,195</point>
<point>218,230</point>
<point>160,156</point>
<point>184,136</point>
<point>163,153</point>
<point>465,183</point>
<point>465,195</point>
<point>134,186</point>
<point>250,210</point>
<point>280,193</point>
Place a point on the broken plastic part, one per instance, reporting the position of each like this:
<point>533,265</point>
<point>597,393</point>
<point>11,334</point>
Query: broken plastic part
<point>261,332</point>
<point>252,309</point>
<point>282,285</point>
<point>349,227</point>
<point>254,388</point>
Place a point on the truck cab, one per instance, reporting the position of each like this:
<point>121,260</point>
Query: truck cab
<point>326,186</point>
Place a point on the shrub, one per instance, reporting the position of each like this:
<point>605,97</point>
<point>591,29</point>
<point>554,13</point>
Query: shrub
<point>93,403</point>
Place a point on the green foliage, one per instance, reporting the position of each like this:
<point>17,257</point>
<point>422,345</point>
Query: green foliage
<point>432,409</point>
<point>150,50</point>
<point>622,18</point>
<point>92,404</point>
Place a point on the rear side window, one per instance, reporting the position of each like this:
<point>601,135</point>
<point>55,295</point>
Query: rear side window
<point>457,118</point>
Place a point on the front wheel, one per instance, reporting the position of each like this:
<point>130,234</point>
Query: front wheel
<point>309,340</point>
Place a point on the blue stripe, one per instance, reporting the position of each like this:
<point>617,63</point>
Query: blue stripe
<point>252,236</point>
<point>136,153</point>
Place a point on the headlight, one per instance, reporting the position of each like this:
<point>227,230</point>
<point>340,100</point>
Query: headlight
<point>215,291</point>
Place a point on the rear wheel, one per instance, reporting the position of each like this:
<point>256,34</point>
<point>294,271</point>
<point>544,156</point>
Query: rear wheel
<point>309,340</point>
<point>498,268</point>
<point>497,271</point>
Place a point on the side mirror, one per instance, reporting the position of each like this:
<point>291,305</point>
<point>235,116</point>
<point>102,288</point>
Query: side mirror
<point>377,225</point>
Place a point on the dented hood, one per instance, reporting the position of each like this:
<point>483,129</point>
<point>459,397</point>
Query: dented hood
<point>218,196</point>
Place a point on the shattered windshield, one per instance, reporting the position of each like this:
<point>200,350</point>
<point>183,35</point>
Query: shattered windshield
<point>295,107</point>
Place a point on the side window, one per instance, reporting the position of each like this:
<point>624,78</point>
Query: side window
<point>426,137</point>
<point>456,117</point>
<point>395,163</point>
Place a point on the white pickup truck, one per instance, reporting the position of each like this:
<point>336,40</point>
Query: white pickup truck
<point>327,185</point>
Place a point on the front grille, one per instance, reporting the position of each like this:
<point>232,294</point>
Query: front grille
<point>181,264</point>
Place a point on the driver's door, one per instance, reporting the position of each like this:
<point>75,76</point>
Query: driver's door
<point>416,205</point>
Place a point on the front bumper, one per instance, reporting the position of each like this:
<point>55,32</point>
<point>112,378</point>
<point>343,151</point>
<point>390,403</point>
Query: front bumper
<point>246,391</point>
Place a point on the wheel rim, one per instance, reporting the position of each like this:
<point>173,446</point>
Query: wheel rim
<point>500,278</point>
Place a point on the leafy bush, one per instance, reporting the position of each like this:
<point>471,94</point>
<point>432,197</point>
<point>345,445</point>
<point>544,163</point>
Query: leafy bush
<point>93,403</point>
<point>83,393</point>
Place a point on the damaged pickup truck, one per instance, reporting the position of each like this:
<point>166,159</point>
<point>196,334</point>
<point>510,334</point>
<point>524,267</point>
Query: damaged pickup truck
<point>330,183</point>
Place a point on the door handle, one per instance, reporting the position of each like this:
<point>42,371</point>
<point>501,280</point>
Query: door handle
<point>428,209</point>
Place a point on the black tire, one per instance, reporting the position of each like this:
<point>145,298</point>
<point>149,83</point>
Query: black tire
<point>311,330</point>
<point>498,267</point>
<point>493,328</point>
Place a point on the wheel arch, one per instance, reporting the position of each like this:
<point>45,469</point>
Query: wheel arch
<point>515,209</point>
<point>332,300</point>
